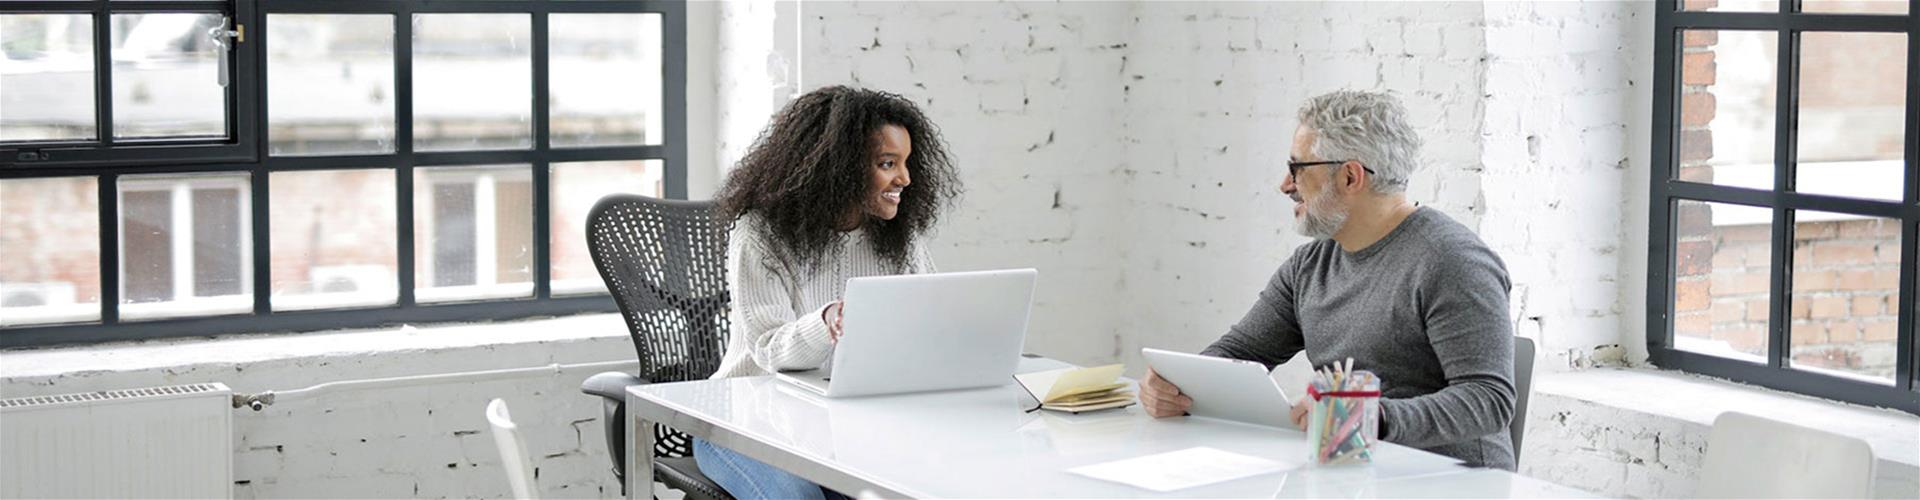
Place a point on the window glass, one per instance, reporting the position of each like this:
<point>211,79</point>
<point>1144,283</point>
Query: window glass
<point>1727,87</point>
<point>185,246</point>
<point>46,77</point>
<point>1853,110</point>
<point>1854,6</point>
<point>166,76</point>
<point>577,187</point>
<point>472,81</point>
<point>1722,279</point>
<point>333,239</point>
<point>473,233</point>
<point>1846,295</point>
<point>606,74</point>
<point>1731,5</point>
<point>50,235</point>
<point>330,84</point>
<point>128,208</point>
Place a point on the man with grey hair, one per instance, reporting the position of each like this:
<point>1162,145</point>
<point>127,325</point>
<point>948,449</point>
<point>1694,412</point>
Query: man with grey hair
<point>1404,291</point>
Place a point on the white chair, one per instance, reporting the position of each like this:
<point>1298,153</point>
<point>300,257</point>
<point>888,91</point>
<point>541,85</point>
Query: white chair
<point>1753,457</point>
<point>513,450</point>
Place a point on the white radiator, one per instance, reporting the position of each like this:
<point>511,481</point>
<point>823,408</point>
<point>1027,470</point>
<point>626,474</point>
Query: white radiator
<point>158,442</point>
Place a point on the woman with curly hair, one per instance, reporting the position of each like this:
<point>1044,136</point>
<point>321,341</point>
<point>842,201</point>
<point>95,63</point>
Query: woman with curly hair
<point>844,183</point>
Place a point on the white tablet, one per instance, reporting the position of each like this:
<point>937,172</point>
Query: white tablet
<point>1227,389</point>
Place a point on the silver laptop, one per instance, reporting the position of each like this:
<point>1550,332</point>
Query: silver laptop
<point>927,332</point>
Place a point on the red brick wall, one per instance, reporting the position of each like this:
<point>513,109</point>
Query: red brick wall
<point>330,218</point>
<point>50,232</point>
<point>1842,312</point>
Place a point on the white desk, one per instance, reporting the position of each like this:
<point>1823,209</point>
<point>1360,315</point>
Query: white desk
<point>980,443</point>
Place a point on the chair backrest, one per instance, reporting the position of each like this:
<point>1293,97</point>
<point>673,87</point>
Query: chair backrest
<point>513,450</point>
<point>1522,390</point>
<point>1753,457</point>
<point>664,261</point>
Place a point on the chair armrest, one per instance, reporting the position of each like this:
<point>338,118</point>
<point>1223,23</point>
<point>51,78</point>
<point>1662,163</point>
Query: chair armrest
<point>611,385</point>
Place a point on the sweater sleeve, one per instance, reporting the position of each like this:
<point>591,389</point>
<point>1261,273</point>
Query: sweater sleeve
<point>922,260</point>
<point>1464,301</point>
<point>1270,331</point>
<point>779,336</point>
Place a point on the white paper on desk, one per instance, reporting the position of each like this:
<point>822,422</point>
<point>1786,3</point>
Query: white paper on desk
<point>1176,470</point>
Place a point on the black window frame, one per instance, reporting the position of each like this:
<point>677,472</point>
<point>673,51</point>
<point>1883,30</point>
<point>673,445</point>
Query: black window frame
<point>1666,191</point>
<point>246,152</point>
<point>243,137</point>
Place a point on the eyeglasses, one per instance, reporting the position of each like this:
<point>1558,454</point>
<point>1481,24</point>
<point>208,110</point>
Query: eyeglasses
<point>1293,167</point>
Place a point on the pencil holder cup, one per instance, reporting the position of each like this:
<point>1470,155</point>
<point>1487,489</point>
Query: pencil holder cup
<point>1344,421</point>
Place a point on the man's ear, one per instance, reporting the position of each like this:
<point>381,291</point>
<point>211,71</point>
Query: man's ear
<point>1353,174</point>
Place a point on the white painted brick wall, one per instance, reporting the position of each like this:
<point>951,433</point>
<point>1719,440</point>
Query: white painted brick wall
<point>1208,139</point>
<point>1179,112</point>
<point>1534,117</point>
<point>1163,115</point>
<point>1562,91</point>
<point>1611,450</point>
<point>1641,433</point>
<point>1027,97</point>
<point>750,74</point>
<point>1130,151</point>
<point>405,442</point>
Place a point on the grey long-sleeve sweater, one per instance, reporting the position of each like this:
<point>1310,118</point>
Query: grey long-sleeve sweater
<point>1425,308</point>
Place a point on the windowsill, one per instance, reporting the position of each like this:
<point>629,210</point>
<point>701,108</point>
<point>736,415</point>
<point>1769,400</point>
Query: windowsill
<point>258,347</point>
<point>1894,435</point>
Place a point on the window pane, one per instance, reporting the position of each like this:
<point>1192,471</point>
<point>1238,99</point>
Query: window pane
<point>473,232</point>
<point>333,239</point>
<point>185,246</point>
<point>329,84</point>
<point>472,81</point>
<point>1846,295</point>
<point>1731,5</point>
<point>50,233</point>
<point>46,77</point>
<point>148,228</point>
<point>454,218</point>
<point>216,237</point>
<point>166,74</point>
<point>1855,6</point>
<point>1722,278</point>
<point>1727,87</point>
<point>576,188</point>
<point>1853,97</point>
<point>606,76</point>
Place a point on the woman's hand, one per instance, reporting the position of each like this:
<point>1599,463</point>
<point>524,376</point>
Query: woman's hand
<point>833,316</point>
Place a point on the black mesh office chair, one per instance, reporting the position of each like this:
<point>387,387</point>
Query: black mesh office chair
<point>665,263</point>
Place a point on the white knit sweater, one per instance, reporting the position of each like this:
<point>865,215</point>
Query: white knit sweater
<point>776,313</point>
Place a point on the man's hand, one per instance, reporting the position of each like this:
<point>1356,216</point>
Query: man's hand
<point>1299,412</point>
<point>1161,398</point>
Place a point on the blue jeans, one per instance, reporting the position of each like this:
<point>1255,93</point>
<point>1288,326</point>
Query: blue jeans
<point>744,477</point>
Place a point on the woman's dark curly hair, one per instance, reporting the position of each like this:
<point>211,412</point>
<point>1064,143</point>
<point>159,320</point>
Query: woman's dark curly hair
<point>809,170</point>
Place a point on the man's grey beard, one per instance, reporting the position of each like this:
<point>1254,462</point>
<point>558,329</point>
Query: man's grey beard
<point>1323,217</point>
